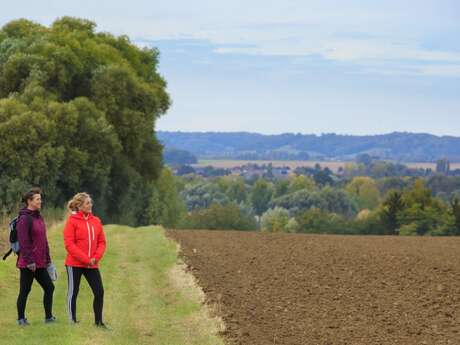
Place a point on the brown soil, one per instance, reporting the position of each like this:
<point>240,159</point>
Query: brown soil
<point>328,290</point>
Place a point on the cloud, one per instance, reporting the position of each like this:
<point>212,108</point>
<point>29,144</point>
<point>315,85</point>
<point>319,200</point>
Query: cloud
<point>366,37</point>
<point>372,55</point>
<point>353,32</point>
<point>441,70</point>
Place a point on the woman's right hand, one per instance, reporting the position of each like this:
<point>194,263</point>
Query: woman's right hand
<point>92,261</point>
<point>32,267</point>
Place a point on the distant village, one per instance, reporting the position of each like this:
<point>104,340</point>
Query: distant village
<point>248,171</point>
<point>252,171</point>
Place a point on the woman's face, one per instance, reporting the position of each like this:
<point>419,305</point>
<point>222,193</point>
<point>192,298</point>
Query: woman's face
<point>87,206</point>
<point>35,203</point>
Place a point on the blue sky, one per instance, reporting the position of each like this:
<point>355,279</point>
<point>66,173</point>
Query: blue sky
<point>350,67</point>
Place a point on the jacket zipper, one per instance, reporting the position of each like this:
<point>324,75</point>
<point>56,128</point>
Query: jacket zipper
<point>89,240</point>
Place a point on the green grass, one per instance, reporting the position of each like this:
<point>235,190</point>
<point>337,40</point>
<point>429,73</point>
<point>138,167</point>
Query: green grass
<point>145,300</point>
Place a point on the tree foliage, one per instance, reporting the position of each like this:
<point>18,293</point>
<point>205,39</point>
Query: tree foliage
<point>365,191</point>
<point>275,220</point>
<point>327,199</point>
<point>77,112</point>
<point>392,206</point>
<point>261,196</point>
<point>219,217</point>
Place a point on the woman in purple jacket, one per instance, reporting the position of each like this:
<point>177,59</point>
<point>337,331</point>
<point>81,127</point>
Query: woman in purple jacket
<point>34,255</point>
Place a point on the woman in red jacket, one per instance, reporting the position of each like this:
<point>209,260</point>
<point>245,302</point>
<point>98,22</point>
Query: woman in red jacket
<point>85,244</point>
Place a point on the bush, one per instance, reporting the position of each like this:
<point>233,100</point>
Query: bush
<point>275,220</point>
<point>292,225</point>
<point>368,223</point>
<point>317,221</point>
<point>408,229</point>
<point>363,214</point>
<point>219,217</point>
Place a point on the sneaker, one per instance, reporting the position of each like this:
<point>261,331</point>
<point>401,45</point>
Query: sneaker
<point>52,319</point>
<point>102,325</point>
<point>23,322</point>
<point>74,322</point>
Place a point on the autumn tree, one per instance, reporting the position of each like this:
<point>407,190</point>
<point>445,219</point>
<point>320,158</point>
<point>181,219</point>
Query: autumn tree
<point>365,191</point>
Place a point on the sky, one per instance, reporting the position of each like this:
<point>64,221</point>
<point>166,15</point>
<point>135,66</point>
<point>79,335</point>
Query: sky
<point>327,66</point>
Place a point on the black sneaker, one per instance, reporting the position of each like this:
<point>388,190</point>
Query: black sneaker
<point>23,322</point>
<point>51,319</point>
<point>102,325</point>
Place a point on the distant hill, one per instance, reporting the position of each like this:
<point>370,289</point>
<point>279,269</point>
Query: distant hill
<point>405,147</point>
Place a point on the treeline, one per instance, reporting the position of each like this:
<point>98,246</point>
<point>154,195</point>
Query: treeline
<point>174,157</point>
<point>406,147</point>
<point>275,155</point>
<point>365,165</point>
<point>305,204</point>
<point>77,113</point>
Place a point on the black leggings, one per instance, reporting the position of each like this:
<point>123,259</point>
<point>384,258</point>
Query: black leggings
<point>93,277</point>
<point>25,283</point>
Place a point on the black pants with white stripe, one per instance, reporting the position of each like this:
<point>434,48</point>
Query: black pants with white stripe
<point>93,277</point>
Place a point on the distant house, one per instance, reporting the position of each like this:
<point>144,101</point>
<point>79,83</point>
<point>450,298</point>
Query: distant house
<point>250,174</point>
<point>281,173</point>
<point>253,171</point>
<point>236,171</point>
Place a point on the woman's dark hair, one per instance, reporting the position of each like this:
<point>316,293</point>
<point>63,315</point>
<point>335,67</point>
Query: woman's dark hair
<point>29,195</point>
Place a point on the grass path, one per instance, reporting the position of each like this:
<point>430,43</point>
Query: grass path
<point>144,303</point>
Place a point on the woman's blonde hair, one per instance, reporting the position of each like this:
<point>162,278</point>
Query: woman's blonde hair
<point>78,199</point>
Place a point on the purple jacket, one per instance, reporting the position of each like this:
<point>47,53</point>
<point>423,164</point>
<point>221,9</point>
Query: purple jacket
<point>33,249</point>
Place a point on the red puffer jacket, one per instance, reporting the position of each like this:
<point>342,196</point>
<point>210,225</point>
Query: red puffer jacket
<point>84,239</point>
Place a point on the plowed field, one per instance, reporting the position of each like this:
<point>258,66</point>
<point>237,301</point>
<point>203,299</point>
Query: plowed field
<point>328,290</point>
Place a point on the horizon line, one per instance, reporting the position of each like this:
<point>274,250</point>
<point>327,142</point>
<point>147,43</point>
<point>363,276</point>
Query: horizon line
<point>310,134</point>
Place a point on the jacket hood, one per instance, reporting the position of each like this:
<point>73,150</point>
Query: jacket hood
<point>81,215</point>
<point>26,211</point>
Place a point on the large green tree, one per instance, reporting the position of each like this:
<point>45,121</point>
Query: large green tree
<point>77,112</point>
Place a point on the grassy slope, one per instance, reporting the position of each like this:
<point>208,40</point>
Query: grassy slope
<point>143,305</point>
